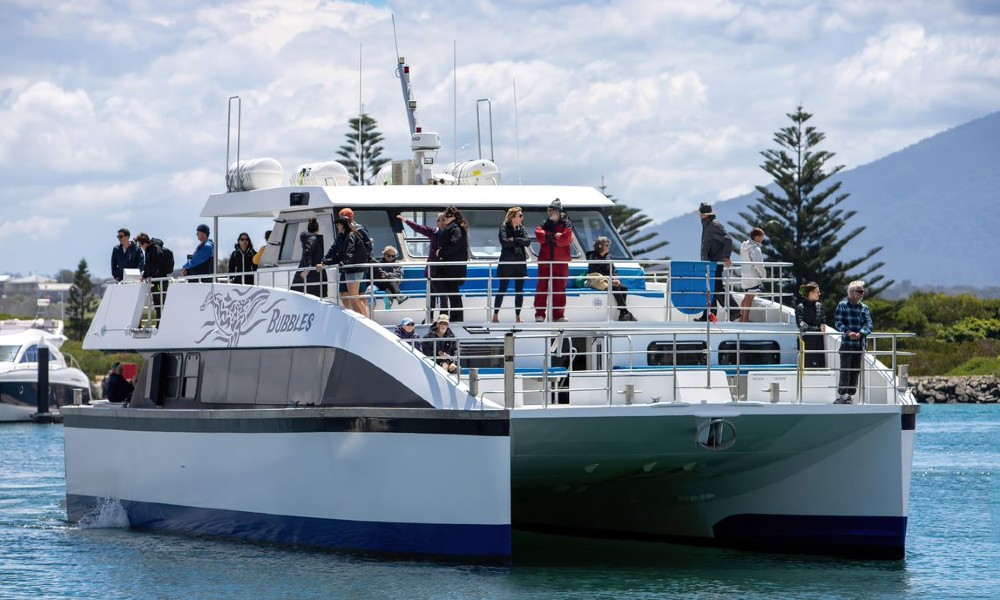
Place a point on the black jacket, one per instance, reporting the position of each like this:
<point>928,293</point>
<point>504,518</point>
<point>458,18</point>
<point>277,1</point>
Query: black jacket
<point>119,388</point>
<point>513,250</point>
<point>809,316</point>
<point>242,262</point>
<point>716,243</point>
<point>604,268</point>
<point>433,344</point>
<point>453,246</point>
<point>155,262</point>
<point>130,258</point>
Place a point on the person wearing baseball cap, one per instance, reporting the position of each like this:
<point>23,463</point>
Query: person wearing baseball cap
<point>203,259</point>
<point>440,343</point>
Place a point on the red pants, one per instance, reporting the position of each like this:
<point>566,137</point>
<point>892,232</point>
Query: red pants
<point>558,272</point>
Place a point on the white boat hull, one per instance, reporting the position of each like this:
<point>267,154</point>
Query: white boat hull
<point>798,478</point>
<point>422,483</point>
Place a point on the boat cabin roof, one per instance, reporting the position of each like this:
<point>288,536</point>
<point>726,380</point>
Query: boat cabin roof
<point>267,203</point>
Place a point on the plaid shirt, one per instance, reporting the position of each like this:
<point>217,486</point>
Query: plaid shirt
<point>852,317</point>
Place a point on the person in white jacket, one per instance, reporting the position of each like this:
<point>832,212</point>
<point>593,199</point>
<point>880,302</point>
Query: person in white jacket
<point>752,270</point>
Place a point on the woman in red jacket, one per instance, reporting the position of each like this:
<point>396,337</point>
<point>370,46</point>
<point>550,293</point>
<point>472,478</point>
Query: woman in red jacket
<point>555,236</point>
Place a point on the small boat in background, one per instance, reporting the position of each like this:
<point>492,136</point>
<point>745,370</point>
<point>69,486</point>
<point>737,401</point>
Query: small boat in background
<point>20,340</point>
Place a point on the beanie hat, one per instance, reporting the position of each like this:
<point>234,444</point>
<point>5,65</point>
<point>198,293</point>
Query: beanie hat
<point>556,205</point>
<point>705,209</point>
<point>204,229</point>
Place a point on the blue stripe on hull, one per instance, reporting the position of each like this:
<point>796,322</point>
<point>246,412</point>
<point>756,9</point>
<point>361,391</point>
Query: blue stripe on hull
<point>443,540</point>
<point>854,536</point>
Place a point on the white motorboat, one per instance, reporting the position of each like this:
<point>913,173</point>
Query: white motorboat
<point>265,413</point>
<point>20,340</point>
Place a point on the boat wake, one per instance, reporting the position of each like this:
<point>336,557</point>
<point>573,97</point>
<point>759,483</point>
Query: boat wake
<point>108,514</point>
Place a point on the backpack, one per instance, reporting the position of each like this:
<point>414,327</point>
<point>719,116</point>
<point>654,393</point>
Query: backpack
<point>369,245</point>
<point>167,267</point>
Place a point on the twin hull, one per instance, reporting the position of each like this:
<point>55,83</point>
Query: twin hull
<point>453,483</point>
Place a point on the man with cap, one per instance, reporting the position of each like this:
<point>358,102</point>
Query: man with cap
<point>555,236</point>
<point>440,343</point>
<point>202,260</point>
<point>716,246</point>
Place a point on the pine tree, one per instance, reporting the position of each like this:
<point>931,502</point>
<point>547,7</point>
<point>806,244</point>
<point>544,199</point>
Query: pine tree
<point>803,222</point>
<point>629,223</point>
<point>80,303</point>
<point>366,154</point>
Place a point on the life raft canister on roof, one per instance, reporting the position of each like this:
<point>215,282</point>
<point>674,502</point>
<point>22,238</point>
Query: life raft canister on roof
<point>254,174</point>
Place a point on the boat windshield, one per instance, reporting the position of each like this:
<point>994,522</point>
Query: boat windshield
<point>8,353</point>
<point>31,355</point>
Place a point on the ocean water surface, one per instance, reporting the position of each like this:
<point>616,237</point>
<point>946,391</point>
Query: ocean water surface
<point>953,545</point>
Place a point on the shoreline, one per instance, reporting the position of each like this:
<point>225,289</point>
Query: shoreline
<point>969,389</point>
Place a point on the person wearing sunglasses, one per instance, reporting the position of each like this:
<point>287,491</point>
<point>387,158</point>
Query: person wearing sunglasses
<point>241,260</point>
<point>125,255</point>
<point>854,320</point>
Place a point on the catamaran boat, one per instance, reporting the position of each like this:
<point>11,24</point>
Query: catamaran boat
<point>20,340</point>
<point>265,413</point>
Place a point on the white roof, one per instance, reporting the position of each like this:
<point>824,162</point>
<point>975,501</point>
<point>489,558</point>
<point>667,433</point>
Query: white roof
<point>267,203</point>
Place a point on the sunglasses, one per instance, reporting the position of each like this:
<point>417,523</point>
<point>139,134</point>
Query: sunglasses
<point>859,292</point>
<point>244,239</point>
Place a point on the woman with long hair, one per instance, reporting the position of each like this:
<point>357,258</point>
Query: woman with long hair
<point>351,251</point>
<point>514,242</point>
<point>811,319</point>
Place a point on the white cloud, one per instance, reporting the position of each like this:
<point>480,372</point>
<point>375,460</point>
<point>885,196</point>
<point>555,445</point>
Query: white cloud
<point>117,111</point>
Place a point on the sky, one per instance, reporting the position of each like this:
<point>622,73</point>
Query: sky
<point>114,113</point>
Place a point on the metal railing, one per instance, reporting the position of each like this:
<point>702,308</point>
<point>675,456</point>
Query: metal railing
<point>654,294</point>
<point>611,370</point>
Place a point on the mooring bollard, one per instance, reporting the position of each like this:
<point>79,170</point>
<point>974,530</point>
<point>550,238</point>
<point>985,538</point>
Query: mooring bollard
<point>42,401</point>
<point>42,398</point>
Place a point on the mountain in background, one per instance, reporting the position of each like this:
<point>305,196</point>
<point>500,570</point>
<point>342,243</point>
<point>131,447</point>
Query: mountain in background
<point>934,207</point>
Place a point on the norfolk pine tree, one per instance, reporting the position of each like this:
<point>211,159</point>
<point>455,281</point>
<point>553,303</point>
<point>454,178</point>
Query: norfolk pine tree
<point>80,303</point>
<point>628,222</point>
<point>367,153</point>
<point>803,222</point>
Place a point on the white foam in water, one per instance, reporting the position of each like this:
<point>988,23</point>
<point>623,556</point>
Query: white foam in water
<point>109,514</point>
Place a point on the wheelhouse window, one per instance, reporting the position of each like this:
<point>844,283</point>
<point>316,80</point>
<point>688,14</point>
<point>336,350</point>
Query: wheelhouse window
<point>484,227</point>
<point>31,354</point>
<point>588,225</point>
<point>8,353</point>
<point>418,245</point>
<point>290,241</point>
<point>381,229</point>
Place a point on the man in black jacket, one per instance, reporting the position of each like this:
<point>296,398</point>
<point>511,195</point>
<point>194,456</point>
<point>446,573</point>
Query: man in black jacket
<point>119,388</point>
<point>155,266</point>
<point>716,246</point>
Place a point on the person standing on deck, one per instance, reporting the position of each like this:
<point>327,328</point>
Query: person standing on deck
<point>716,246</point>
<point>854,320</point>
<point>811,320</point>
<point>555,236</point>
<point>125,255</point>
<point>432,254</point>
<point>201,261</point>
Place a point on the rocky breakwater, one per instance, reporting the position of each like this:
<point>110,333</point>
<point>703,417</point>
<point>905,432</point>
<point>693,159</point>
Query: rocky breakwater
<point>974,389</point>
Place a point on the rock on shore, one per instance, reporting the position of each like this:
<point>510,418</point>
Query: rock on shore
<point>974,389</point>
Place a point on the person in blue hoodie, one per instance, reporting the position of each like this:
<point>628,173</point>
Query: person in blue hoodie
<point>200,262</point>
